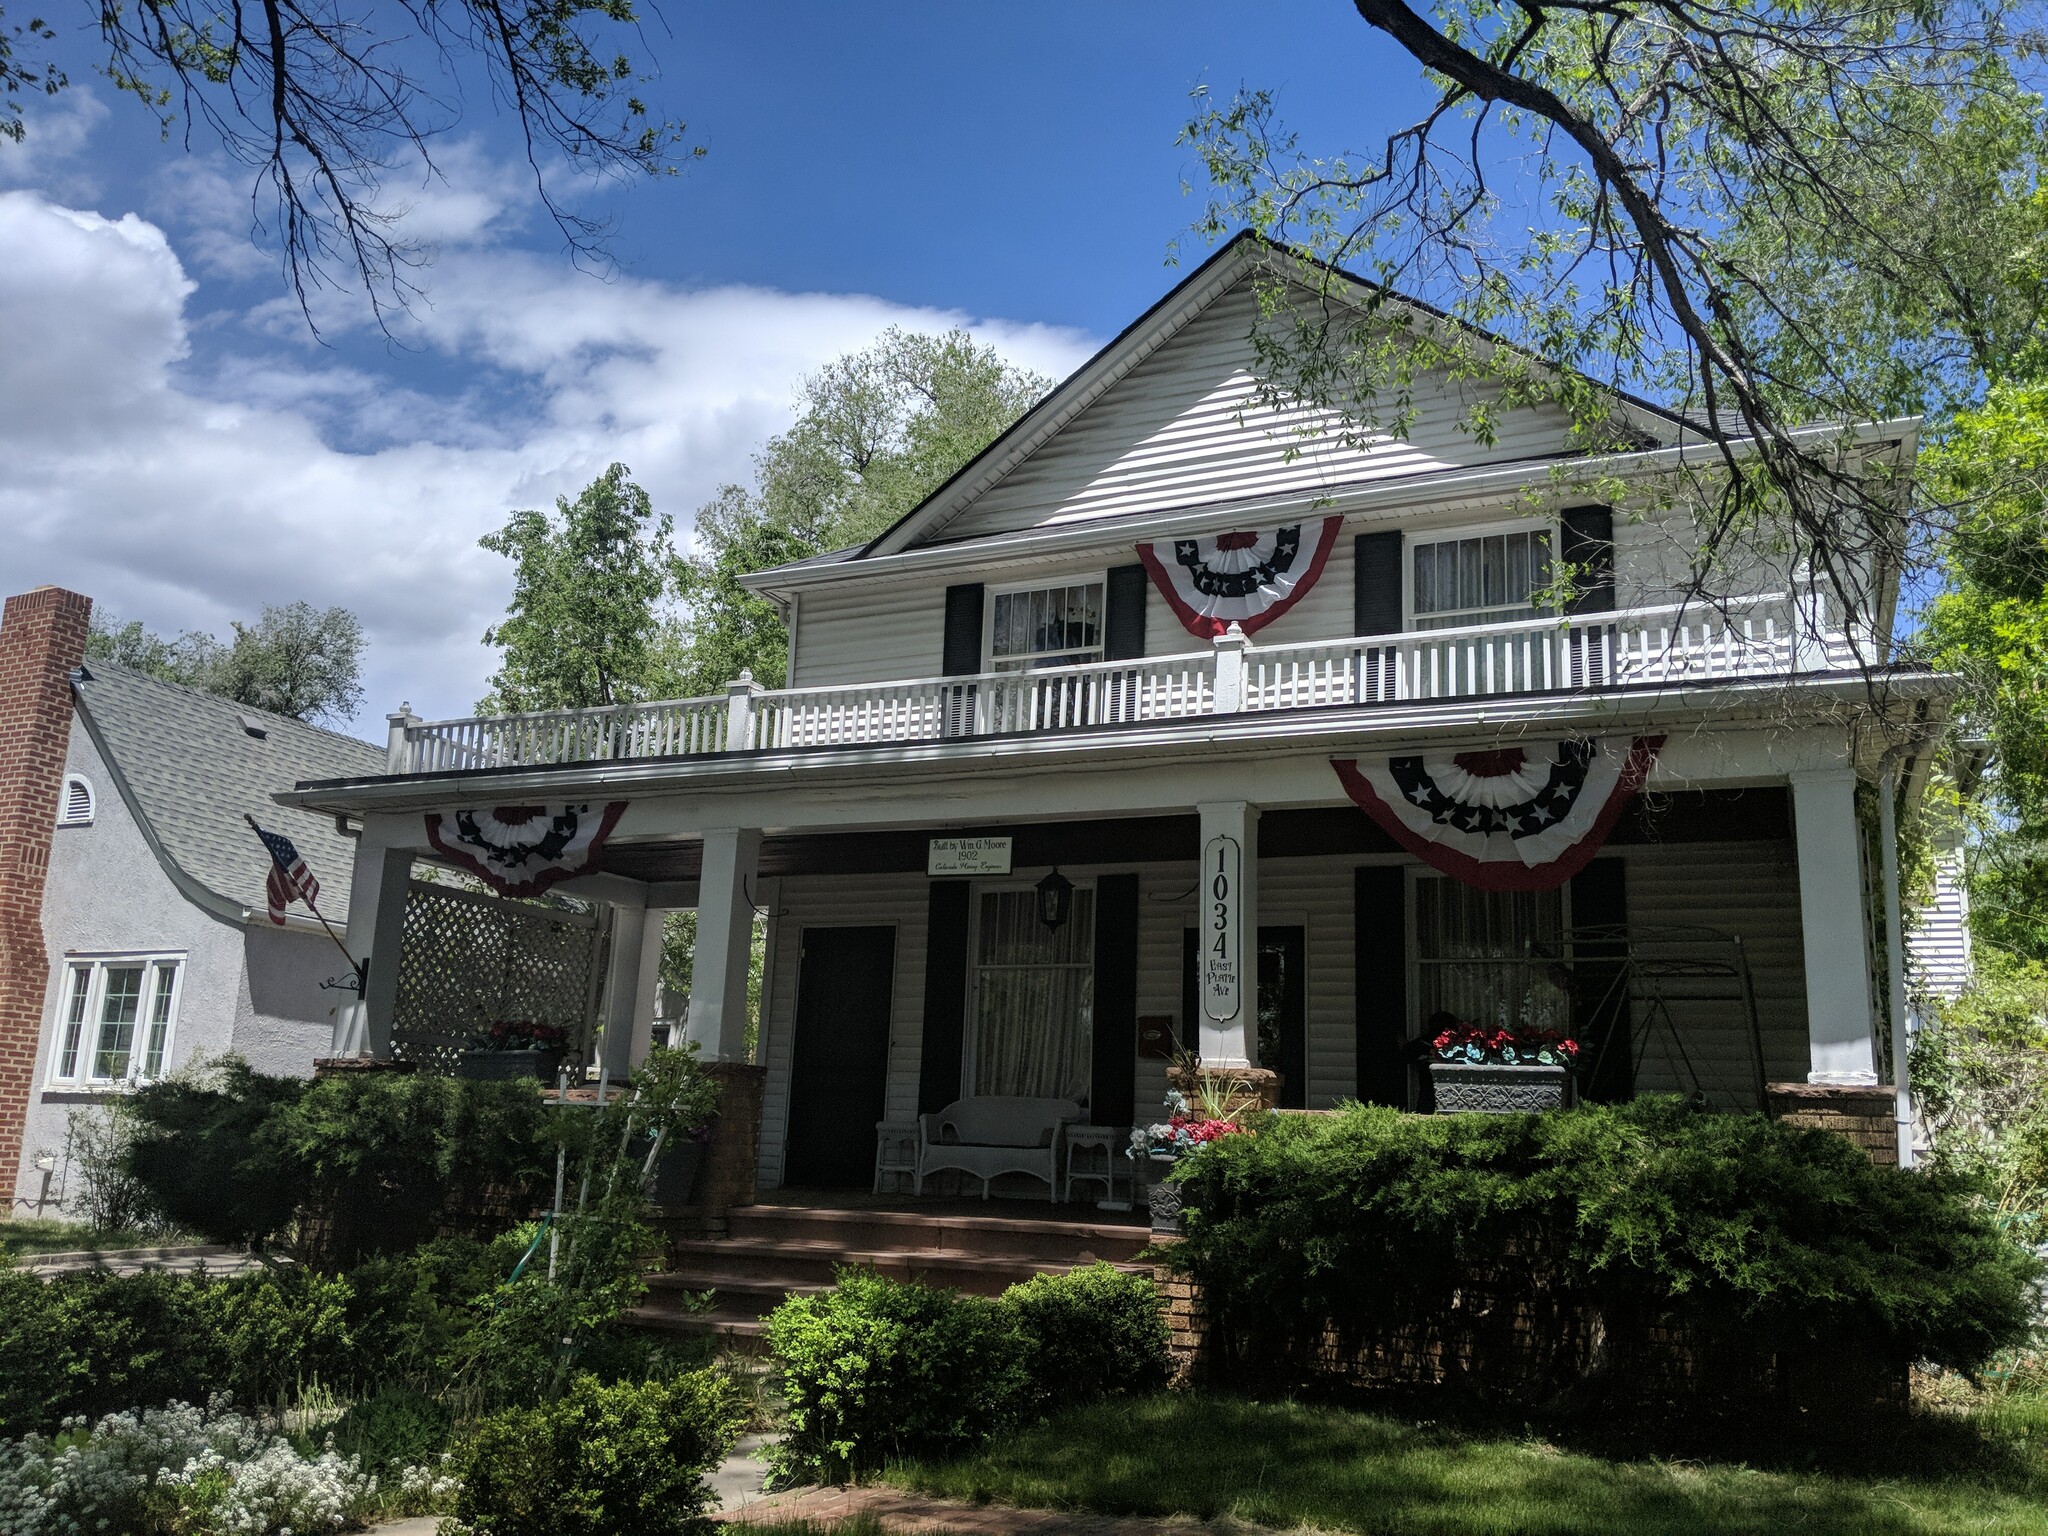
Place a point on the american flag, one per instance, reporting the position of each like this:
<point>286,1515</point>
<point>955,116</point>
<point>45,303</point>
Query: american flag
<point>289,876</point>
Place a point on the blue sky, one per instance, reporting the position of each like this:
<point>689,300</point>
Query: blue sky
<point>184,452</point>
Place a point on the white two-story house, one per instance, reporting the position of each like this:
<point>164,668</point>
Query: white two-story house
<point>1164,723</point>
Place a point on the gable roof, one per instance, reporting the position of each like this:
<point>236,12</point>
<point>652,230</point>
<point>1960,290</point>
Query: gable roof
<point>1162,323</point>
<point>189,769</point>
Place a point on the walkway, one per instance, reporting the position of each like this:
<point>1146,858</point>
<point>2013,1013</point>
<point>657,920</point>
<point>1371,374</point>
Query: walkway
<point>908,1512</point>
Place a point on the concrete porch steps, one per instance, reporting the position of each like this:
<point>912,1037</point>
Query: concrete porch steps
<point>773,1251</point>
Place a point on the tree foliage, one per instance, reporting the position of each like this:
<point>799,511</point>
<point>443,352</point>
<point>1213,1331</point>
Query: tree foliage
<point>1765,213</point>
<point>295,659</point>
<point>878,431</point>
<point>584,628</point>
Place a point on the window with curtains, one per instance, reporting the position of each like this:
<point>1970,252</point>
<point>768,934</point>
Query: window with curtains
<point>1045,627</point>
<point>1479,578</point>
<point>115,1018</point>
<point>1480,956</point>
<point>1034,997</point>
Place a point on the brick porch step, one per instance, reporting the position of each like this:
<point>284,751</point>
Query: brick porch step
<point>1008,1236</point>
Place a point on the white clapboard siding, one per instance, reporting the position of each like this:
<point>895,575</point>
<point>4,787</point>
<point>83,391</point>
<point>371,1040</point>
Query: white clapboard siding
<point>1938,942</point>
<point>1750,890</point>
<point>842,901</point>
<point>1185,428</point>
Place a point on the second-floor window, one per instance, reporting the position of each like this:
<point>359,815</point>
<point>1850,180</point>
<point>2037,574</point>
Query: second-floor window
<point>1036,627</point>
<point>1479,578</point>
<point>115,1019</point>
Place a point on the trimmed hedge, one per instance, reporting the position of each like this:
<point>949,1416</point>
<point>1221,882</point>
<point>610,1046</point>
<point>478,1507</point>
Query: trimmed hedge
<point>878,1369</point>
<point>1735,1229</point>
<point>623,1460</point>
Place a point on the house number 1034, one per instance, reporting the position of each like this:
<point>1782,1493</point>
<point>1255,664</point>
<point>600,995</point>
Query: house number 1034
<point>1222,978</point>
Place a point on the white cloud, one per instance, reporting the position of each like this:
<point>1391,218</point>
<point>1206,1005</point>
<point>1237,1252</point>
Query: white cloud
<point>186,499</point>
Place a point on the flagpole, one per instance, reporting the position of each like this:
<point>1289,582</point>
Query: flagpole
<point>353,963</point>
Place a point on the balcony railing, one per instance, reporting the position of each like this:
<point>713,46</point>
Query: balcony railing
<point>1766,636</point>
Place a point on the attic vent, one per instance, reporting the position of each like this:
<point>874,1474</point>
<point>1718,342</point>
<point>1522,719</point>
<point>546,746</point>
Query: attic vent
<point>255,725</point>
<point>78,803</point>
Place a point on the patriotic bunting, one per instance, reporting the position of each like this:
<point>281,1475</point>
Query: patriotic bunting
<point>521,850</point>
<point>1248,578</point>
<point>1509,819</point>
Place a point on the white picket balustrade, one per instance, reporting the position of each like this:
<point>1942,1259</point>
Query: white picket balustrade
<point>1676,643</point>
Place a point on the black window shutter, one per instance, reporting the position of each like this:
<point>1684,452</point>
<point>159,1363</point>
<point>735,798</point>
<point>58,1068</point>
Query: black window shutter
<point>1114,1084</point>
<point>1588,542</point>
<point>945,996</point>
<point>963,632</point>
<point>1379,911</point>
<point>1123,628</point>
<point>1376,583</point>
<point>1600,1013</point>
<point>1190,996</point>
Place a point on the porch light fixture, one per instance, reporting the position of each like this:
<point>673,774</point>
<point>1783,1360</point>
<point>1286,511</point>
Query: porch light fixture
<point>1055,899</point>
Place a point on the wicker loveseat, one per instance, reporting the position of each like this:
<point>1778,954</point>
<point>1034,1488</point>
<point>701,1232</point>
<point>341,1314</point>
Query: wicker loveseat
<point>993,1135</point>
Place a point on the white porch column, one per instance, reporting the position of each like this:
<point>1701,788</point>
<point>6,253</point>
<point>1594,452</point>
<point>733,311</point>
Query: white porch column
<point>629,988</point>
<point>1227,934</point>
<point>1840,1021</point>
<point>725,940</point>
<point>376,928</point>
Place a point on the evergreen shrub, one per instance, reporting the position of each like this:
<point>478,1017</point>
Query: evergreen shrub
<point>1090,1333</point>
<point>1735,1228</point>
<point>628,1459</point>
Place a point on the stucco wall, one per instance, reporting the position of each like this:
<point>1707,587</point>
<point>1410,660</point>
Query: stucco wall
<point>242,990</point>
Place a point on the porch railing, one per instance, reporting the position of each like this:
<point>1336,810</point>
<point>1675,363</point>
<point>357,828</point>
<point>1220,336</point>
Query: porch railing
<point>1763,636</point>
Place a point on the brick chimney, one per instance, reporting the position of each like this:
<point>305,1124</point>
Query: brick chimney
<point>42,638</point>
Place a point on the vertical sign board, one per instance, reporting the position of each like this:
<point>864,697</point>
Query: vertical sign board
<point>1222,931</point>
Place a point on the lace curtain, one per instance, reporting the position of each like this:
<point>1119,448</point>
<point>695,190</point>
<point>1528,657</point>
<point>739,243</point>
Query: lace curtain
<point>1472,944</point>
<point>1034,998</point>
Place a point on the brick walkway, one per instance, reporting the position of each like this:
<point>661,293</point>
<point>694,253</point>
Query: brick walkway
<point>909,1512</point>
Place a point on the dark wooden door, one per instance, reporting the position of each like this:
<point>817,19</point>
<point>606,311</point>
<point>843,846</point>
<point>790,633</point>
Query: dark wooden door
<point>1283,1007</point>
<point>839,1071</point>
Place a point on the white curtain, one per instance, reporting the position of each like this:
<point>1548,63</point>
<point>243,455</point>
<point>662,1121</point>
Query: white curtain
<point>1474,947</point>
<point>1034,998</point>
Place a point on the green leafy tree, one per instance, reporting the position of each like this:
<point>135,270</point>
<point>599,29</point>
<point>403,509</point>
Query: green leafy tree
<point>295,659</point>
<point>584,627</point>
<point>878,431</point>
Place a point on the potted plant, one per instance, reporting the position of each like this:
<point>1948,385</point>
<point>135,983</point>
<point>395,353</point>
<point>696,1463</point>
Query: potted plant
<point>677,1092</point>
<point>1477,1069</point>
<point>1201,1107</point>
<point>517,1048</point>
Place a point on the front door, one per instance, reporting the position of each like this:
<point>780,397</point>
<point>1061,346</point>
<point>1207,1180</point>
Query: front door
<point>839,1071</point>
<point>1283,1007</point>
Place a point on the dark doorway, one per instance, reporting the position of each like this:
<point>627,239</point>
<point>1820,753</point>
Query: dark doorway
<point>1283,1007</point>
<point>839,1070</point>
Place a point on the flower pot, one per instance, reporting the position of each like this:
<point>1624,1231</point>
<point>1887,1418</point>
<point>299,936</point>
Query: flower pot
<point>509,1066</point>
<point>675,1171</point>
<point>1475,1087</point>
<point>1162,1198</point>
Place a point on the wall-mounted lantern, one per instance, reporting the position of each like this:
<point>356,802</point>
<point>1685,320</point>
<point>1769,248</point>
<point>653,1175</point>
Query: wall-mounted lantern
<point>1055,900</point>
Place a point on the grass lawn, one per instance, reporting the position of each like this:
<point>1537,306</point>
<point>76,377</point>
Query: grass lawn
<point>1290,1465</point>
<point>26,1236</point>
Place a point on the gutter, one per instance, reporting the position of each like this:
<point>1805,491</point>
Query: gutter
<point>1238,734</point>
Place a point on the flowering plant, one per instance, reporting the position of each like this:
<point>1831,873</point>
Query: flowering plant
<point>1476,1043</point>
<point>525,1035</point>
<point>1184,1129</point>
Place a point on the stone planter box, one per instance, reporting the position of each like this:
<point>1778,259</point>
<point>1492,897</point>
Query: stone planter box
<point>1493,1088</point>
<point>507,1066</point>
<point>1161,1198</point>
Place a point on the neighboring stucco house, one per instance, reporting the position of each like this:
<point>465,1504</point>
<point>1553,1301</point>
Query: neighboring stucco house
<point>156,941</point>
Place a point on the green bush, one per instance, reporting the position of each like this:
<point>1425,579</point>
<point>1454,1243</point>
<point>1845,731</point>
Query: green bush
<point>1735,1227</point>
<point>876,1369</point>
<point>234,1155</point>
<point>622,1460</point>
<point>1091,1333</point>
<point>397,1426</point>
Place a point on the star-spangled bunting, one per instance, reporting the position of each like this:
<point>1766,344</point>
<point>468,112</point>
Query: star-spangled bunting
<point>1509,818</point>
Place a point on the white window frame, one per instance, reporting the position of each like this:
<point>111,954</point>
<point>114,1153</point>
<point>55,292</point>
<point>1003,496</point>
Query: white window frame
<point>83,1052</point>
<point>92,802</point>
<point>1552,527</point>
<point>1411,905</point>
<point>970,1042</point>
<point>1099,579</point>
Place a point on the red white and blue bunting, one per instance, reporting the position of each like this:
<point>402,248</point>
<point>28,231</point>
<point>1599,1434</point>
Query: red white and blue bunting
<point>1509,819</point>
<point>1248,578</point>
<point>521,850</point>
